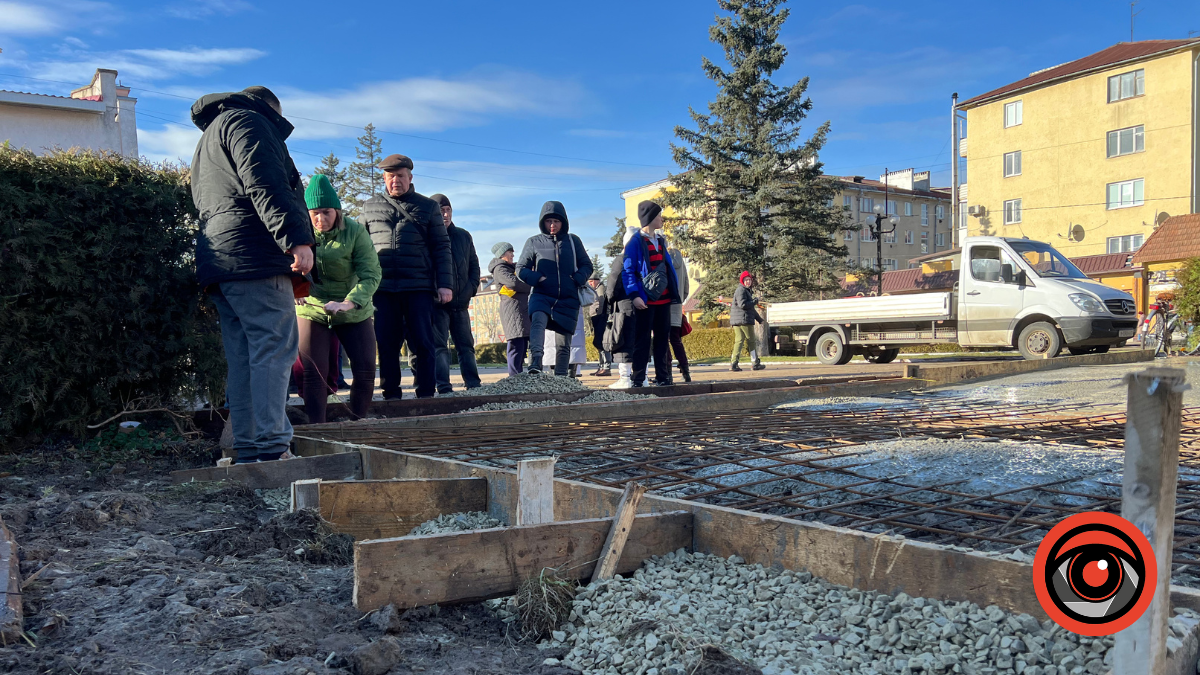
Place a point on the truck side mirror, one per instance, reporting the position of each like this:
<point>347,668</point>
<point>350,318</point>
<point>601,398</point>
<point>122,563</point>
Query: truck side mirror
<point>1021,279</point>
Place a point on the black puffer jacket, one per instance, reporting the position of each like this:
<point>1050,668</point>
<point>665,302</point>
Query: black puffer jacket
<point>247,189</point>
<point>410,237</point>
<point>546,265</point>
<point>466,267</point>
<point>743,312</point>
<point>514,309</point>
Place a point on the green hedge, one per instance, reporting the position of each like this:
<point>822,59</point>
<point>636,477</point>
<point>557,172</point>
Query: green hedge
<point>102,311</point>
<point>702,343</point>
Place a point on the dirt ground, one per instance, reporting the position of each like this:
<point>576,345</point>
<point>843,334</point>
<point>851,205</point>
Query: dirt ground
<point>135,575</point>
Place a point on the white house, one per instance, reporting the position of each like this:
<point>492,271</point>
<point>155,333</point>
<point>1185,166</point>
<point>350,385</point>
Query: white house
<point>99,116</point>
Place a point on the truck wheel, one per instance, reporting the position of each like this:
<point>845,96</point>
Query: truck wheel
<point>832,351</point>
<point>884,356</point>
<point>1039,341</point>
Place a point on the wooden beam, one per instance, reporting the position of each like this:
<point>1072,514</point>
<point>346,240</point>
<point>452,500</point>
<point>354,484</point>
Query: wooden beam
<point>1154,414</point>
<point>279,473</point>
<point>535,491</point>
<point>11,614</point>
<point>619,532</point>
<point>378,509</point>
<point>468,566</point>
<point>306,494</point>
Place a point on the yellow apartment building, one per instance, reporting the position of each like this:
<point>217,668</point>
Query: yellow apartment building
<point>1090,156</point>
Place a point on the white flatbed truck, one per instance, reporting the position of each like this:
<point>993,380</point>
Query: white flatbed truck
<point>1011,293</point>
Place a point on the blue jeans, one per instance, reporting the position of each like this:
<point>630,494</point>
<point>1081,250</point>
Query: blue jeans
<point>537,342</point>
<point>516,355</point>
<point>258,329</point>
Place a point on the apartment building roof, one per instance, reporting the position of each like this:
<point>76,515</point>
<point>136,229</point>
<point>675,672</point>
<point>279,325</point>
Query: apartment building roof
<point>1176,239</point>
<point>861,182</point>
<point>1122,52</point>
<point>903,281</point>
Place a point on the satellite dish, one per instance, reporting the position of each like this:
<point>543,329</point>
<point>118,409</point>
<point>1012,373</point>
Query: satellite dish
<point>1077,233</point>
<point>1161,218</point>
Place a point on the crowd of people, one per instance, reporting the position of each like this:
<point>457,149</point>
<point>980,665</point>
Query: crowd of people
<point>296,281</point>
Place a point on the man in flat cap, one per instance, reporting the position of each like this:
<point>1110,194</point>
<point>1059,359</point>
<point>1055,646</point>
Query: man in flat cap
<point>452,320</point>
<point>254,235</point>
<point>410,237</point>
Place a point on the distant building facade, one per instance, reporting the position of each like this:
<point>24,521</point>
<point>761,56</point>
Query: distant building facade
<point>485,313</point>
<point>922,212</point>
<point>99,117</point>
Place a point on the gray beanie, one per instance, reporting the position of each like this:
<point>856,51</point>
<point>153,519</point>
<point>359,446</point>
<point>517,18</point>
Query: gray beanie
<point>501,248</point>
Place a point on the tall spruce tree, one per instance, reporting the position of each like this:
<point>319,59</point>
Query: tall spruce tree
<point>614,246</point>
<point>752,195</point>
<point>364,179</point>
<point>341,181</point>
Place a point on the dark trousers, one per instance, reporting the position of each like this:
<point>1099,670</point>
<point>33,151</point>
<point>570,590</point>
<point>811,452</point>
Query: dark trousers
<point>359,341</point>
<point>333,373</point>
<point>452,324</point>
<point>401,317</point>
<point>516,355</point>
<point>652,328</point>
<point>677,347</point>
<point>599,324</point>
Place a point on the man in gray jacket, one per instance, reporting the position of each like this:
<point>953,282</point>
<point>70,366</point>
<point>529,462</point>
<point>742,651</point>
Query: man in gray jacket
<point>254,234</point>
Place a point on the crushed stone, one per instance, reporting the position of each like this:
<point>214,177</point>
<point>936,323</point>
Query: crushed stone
<point>657,622</point>
<point>602,396</point>
<point>525,384</point>
<point>458,522</point>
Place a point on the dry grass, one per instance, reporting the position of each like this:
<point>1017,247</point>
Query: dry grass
<point>543,603</point>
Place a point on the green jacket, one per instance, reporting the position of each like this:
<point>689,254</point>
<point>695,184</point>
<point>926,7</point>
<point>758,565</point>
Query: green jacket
<point>347,269</point>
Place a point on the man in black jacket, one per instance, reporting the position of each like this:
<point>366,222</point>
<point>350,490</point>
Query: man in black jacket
<point>453,319</point>
<point>414,255</point>
<point>254,234</point>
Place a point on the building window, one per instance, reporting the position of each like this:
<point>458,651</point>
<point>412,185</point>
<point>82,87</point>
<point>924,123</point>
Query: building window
<point>1127,244</point>
<point>941,239</point>
<point>866,205</point>
<point>889,237</point>
<point>1012,211</point>
<point>866,235</point>
<point>891,208</point>
<point>1013,114</point>
<point>1012,164</point>
<point>889,264</point>
<point>846,201</point>
<point>908,236</point>
<point>913,266</point>
<point>908,208</point>
<point>1125,194</point>
<point>924,215</point>
<point>848,235</point>
<point>1126,85</point>
<point>1127,141</point>
<point>924,242</point>
<point>941,212</point>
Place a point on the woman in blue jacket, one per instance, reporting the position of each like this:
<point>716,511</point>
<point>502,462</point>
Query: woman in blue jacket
<point>649,279</point>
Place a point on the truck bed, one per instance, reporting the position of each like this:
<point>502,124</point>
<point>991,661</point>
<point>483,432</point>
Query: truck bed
<point>915,307</point>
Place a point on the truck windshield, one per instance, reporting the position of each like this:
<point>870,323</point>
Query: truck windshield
<point>1044,260</point>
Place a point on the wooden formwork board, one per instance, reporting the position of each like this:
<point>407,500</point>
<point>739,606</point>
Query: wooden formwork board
<point>838,555</point>
<point>467,566</point>
<point>962,372</point>
<point>11,613</point>
<point>378,509</point>
<point>279,473</point>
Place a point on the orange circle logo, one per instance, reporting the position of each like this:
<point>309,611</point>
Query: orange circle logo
<point>1094,574</point>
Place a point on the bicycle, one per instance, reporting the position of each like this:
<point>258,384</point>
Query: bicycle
<point>1162,323</point>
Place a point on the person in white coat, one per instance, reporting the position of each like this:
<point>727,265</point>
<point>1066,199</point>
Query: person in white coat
<point>578,350</point>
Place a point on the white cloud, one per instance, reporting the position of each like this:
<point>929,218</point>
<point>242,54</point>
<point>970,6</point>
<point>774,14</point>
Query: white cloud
<point>172,142</point>
<point>428,103</point>
<point>143,64</point>
<point>203,10</point>
<point>22,19</point>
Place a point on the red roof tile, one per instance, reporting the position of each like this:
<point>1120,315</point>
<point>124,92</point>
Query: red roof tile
<point>1178,238</point>
<point>1118,53</point>
<point>1104,263</point>
<point>904,281</point>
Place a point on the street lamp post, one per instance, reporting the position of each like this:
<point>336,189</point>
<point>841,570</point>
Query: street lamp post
<point>875,222</point>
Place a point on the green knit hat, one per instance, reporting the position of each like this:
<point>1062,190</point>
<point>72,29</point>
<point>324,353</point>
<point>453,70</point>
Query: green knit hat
<point>320,193</point>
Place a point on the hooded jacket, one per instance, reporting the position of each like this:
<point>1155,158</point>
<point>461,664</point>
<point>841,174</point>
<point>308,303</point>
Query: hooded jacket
<point>410,237</point>
<point>742,312</point>
<point>247,190</point>
<point>546,263</point>
<point>466,267</point>
<point>514,309</point>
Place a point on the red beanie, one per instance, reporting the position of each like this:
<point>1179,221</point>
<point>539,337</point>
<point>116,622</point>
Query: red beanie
<point>742,277</point>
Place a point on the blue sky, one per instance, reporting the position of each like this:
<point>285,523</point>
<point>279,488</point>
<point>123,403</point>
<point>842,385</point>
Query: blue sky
<point>587,94</point>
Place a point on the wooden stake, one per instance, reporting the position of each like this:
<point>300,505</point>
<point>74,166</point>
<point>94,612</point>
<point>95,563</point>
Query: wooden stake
<point>619,532</point>
<point>1148,501</point>
<point>306,494</point>
<point>535,491</point>
<point>11,617</point>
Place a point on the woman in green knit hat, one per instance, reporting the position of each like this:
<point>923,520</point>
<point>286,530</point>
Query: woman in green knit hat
<point>347,274</point>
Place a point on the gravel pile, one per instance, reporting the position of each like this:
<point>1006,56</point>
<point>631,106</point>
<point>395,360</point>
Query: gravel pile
<point>276,499</point>
<point>525,384</point>
<point>594,397</point>
<point>457,522</point>
<point>655,622</point>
